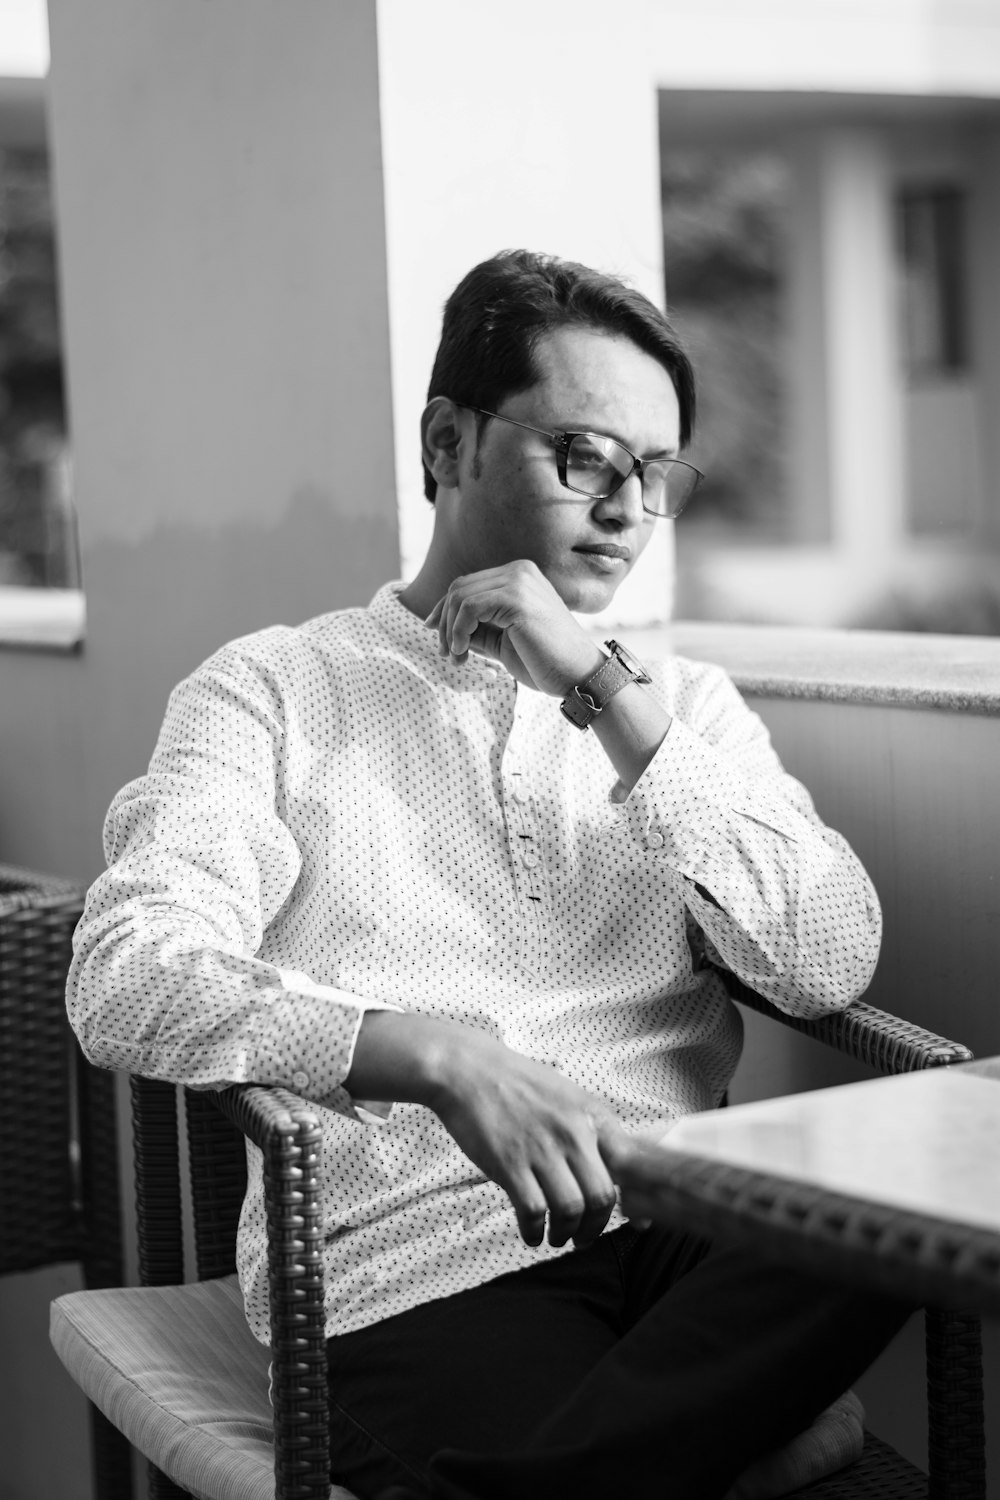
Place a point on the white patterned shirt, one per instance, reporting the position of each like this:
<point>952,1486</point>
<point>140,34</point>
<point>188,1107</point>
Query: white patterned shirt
<point>336,818</point>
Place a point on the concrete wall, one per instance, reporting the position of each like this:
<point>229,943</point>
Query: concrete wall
<point>220,206</point>
<point>916,791</point>
<point>219,192</point>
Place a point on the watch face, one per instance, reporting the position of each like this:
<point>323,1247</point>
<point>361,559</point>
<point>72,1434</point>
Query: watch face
<point>632,663</point>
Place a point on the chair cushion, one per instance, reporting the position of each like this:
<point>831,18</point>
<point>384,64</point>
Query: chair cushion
<point>835,1440</point>
<point>178,1371</point>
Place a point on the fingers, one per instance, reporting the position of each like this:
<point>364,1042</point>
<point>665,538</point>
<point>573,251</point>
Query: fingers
<point>569,1186</point>
<point>534,1132</point>
<point>479,607</point>
<point>531,1208</point>
<point>474,613</point>
<point>579,1198</point>
<point>575,1210</point>
<point>640,1157</point>
<point>513,614</point>
<point>599,1202</point>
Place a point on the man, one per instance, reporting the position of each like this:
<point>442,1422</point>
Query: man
<point>469,882</point>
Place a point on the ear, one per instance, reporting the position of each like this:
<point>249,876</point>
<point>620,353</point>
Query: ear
<point>440,435</point>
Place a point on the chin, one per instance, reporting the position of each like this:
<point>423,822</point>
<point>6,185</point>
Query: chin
<point>586,598</point>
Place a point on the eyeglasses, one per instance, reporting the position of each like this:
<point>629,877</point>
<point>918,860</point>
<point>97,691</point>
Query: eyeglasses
<point>597,466</point>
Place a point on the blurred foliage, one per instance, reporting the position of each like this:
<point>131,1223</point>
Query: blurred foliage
<point>31,387</point>
<point>724,235</point>
<point>37,527</point>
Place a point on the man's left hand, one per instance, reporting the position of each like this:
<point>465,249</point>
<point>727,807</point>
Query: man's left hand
<point>514,615</point>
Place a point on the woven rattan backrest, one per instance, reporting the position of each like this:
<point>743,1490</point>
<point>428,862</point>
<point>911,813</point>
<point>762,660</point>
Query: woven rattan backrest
<point>207,1189</point>
<point>218,1166</point>
<point>38,1196</point>
<point>58,1152</point>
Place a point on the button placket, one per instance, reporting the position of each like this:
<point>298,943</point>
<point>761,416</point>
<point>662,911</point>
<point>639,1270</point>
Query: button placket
<point>527,861</point>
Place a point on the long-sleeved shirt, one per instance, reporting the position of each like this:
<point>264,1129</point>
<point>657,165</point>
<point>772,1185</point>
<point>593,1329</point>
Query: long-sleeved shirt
<point>336,819</point>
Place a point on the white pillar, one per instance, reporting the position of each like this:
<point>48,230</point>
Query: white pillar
<point>863,366</point>
<point>807,390</point>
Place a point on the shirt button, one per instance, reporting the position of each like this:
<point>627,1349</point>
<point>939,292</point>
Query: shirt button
<point>521,793</point>
<point>491,674</point>
<point>530,858</point>
<point>300,1082</point>
<point>654,840</point>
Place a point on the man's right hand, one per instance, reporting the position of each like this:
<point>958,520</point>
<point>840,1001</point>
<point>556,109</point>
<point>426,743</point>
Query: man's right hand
<point>551,1146</point>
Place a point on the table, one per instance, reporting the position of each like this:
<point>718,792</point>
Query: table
<point>892,1183</point>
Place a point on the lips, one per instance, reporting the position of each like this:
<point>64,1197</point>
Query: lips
<point>606,549</point>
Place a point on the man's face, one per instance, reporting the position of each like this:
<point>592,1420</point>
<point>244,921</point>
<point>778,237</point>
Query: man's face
<point>510,503</point>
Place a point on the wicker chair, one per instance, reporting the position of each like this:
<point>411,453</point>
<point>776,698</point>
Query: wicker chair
<point>240,1457</point>
<point>58,1144</point>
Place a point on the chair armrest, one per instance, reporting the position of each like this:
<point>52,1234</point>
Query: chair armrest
<point>288,1132</point>
<point>871,1036</point>
<point>261,1109</point>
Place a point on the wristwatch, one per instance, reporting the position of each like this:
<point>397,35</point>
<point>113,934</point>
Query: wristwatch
<point>587,701</point>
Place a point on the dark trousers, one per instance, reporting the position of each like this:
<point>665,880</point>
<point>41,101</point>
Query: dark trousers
<point>648,1364</point>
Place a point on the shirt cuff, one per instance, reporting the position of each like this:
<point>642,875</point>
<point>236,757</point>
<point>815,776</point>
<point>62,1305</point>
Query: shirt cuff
<point>687,794</point>
<point>307,1044</point>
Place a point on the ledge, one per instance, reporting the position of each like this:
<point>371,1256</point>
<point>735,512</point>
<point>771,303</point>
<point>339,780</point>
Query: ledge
<point>960,673</point>
<point>42,617</point>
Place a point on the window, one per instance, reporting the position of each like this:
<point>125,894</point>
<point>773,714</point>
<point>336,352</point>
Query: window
<point>40,598</point>
<point>930,237</point>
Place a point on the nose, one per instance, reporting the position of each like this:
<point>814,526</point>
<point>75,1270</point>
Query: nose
<point>622,510</point>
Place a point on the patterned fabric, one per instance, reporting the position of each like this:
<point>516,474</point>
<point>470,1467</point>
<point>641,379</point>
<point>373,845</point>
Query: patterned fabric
<point>336,818</point>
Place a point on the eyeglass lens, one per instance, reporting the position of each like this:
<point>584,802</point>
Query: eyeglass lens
<point>598,466</point>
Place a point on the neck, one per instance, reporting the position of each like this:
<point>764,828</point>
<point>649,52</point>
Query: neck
<point>436,574</point>
<point>421,595</point>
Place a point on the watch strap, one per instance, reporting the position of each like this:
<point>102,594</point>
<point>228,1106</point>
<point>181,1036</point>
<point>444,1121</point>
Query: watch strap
<point>587,700</point>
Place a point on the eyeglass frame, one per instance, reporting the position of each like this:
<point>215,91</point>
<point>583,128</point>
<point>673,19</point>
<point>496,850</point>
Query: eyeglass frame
<point>561,441</point>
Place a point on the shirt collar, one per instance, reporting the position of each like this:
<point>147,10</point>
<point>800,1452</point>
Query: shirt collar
<point>405,628</point>
<point>409,632</point>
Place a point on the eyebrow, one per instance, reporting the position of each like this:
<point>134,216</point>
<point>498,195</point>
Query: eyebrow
<point>645,457</point>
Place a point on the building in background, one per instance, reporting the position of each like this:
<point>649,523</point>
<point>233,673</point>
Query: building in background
<point>830,184</point>
<point>834,257</point>
<point>851,380</point>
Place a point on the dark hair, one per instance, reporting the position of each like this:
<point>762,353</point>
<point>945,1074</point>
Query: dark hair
<point>496,315</point>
